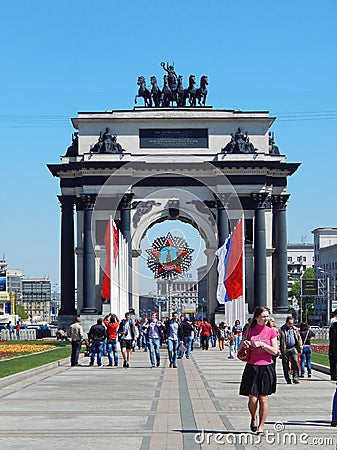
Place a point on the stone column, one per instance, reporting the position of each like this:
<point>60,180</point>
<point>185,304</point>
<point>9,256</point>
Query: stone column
<point>223,227</point>
<point>260,253</point>
<point>212,283</point>
<point>89,280</point>
<point>280,260</point>
<point>67,256</point>
<point>125,209</point>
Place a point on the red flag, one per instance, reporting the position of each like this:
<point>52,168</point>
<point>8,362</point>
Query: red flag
<point>107,271</point>
<point>234,264</point>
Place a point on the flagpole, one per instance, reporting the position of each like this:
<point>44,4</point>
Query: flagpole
<point>120,252</point>
<point>243,270</point>
<point>111,262</point>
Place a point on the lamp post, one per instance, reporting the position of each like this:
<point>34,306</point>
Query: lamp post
<point>299,308</point>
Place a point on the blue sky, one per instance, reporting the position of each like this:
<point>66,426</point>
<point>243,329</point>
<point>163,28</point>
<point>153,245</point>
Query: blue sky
<point>62,57</point>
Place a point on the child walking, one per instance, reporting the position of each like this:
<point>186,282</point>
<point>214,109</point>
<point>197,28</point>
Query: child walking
<point>231,346</point>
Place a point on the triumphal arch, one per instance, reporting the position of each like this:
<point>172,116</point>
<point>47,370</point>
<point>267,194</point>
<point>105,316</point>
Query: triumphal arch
<point>173,158</point>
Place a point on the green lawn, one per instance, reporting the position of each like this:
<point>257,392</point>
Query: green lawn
<point>19,364</point>
<point>320,358</point>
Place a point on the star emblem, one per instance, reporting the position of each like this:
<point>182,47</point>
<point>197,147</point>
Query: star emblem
<point>169,257</point>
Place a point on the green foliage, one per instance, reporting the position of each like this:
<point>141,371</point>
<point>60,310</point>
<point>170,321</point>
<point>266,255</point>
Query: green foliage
<point>308,303</point>
<point>309,273</point>
<point>296,289</point>
<point>20,311</point>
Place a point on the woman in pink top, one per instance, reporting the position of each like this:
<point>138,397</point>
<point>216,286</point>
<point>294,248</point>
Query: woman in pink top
<point>259,377</point>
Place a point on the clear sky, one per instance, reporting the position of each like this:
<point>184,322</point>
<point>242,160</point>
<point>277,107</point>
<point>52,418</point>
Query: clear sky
<point>61,57</point>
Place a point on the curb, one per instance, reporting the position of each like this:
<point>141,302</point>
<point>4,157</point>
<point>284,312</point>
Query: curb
<point>320,368</point>
<point>21,376</point>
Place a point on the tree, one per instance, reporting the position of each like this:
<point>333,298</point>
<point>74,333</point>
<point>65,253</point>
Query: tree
<point>20,311</point>
<point>308,303</point>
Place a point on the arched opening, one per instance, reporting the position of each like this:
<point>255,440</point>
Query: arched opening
<point>184,292</point>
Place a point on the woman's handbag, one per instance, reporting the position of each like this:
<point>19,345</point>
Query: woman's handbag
<point>244,352</point>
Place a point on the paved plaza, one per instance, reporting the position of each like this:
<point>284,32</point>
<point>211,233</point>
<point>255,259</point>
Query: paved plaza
<point>196,406</point>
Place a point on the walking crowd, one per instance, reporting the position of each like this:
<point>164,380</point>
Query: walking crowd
<point>259,339</point>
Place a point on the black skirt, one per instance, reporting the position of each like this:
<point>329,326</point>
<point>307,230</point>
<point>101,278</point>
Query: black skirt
<point>258,380</point>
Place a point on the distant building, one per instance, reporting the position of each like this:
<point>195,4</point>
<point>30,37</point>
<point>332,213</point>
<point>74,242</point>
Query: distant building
<point>300,258</point>
<point>181,295</point>
<point>36,298</point>
<point>14,283</point>
<point>325,244</point>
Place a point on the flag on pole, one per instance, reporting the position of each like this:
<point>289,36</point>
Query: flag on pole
<point>230,266</point>
<point>112,248</point>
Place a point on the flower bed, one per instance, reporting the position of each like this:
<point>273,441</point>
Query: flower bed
<point>320,348</point>
<point>12,350</point>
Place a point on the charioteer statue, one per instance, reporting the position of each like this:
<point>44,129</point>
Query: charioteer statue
<point>172,92</point>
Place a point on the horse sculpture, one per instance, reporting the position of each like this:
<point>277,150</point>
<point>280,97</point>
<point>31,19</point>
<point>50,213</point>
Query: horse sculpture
<point>201,93</point>
<point>180,92</point>
<point>166,95</point>
<point>173,92</point>
<point>190,92</point>
<point>143,92</point>
<point>155,92</point>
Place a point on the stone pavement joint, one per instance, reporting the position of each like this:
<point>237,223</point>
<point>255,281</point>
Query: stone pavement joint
<point>196,406</point>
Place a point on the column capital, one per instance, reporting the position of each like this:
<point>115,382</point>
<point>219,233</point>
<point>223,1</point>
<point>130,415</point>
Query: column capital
<point>261,199</point>
<point>88,200</point>
<point>66,200</point>
<point>125,202</point>
<point>280,202</point>
<point>222,200</point>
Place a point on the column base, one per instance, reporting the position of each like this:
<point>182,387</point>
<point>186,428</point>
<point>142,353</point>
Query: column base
<point>65,320</point>
<point>281,309</point>
<point>87,320</point>
<point>89,311</point>
<point>280,318</point>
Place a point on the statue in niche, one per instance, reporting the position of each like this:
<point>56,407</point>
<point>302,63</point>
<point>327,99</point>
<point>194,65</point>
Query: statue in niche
<point>107,143</point>
<point>72,150</point>
<point>273,149</point>
<point>239,143</point>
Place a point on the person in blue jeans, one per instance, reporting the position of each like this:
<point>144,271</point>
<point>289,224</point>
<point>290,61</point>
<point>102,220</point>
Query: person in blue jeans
<point>154,330</point>
<point>306,336</point>
<point>97,335</point>
<point>187,330</point>
<point>174,339</point>
<point>10,329</point>
<point>112,326</point>
<point>237,330</point>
